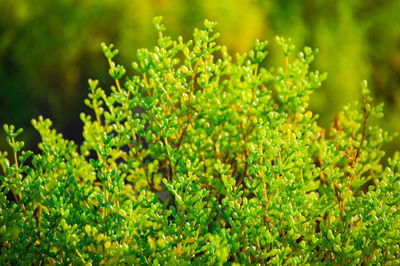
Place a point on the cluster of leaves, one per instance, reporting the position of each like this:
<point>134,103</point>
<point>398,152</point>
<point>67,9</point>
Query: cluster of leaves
<point>200,158</point>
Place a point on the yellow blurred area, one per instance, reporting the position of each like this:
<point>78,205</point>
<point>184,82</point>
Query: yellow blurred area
<point>48,49</point>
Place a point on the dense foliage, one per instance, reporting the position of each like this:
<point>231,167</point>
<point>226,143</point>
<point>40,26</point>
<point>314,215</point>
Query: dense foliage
<point>202,158</point>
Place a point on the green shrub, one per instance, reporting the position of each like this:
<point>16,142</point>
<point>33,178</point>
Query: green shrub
<point>199,158</point>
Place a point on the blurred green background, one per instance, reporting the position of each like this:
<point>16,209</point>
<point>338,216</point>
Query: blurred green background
<point>49,49</point>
